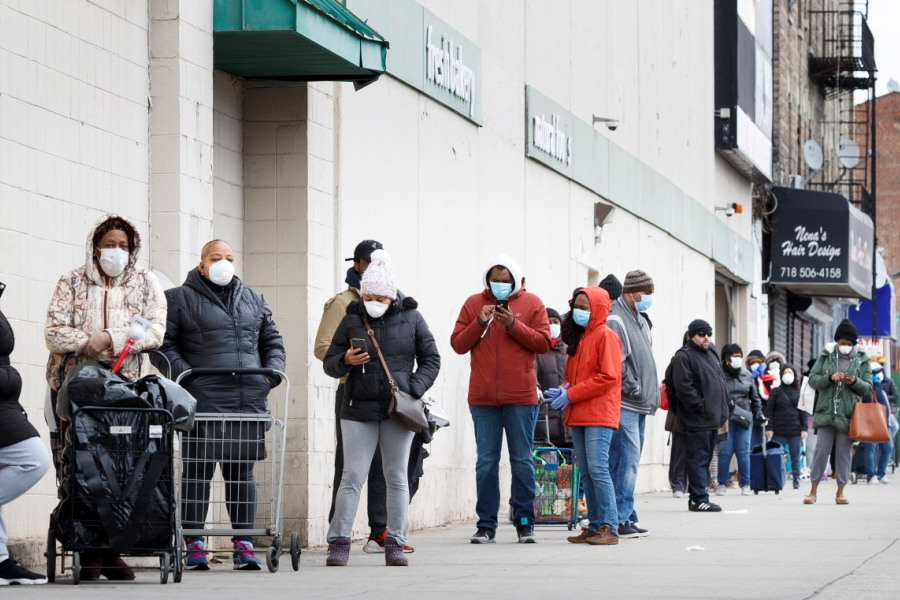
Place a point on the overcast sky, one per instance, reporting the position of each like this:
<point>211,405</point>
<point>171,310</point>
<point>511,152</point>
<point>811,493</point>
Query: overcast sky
<point>884,21</point>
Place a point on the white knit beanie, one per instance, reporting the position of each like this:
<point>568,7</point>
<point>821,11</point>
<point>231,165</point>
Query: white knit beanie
<point>379,279</point>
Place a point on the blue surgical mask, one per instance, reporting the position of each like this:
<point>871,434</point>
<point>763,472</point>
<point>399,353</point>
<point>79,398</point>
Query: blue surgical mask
<point>644,303</point>
<point>554,330</point>
<point>500,290</point>
<point>581,317</point>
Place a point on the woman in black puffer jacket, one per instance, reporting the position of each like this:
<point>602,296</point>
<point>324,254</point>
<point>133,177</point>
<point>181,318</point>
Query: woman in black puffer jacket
<point>412,357</point>
<point>787,424</point>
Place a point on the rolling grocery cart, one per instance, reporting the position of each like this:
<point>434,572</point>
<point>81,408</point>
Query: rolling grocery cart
<point>556,487</point>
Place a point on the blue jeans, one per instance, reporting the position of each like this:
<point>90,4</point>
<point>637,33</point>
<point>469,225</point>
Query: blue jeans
<point>793,444</point>
<point>738,443</point>
<point>517,421</point>
<point>879,470</point>
<point>592,451</point>
<point>624,458</point>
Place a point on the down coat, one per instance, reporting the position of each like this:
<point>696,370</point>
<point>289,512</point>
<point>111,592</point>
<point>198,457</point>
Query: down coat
<point>14,425</point>
<point>834,405</point>
<point>701,398</point>
<point>83,303</point>
<point>594,374</point>
<point>201,331</point>
<point>409,350</point>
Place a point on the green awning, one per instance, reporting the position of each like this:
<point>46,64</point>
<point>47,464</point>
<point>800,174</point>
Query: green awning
<point>298,40</point>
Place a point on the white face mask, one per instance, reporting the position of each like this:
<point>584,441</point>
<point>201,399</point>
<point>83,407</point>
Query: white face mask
<point>221,272</point>
<point>845,349</point>
<point>375,308</point>
<point>554,330</point>
<point>774,368</point>
<point>787,378</point>
<point>737,362</point>
<point>113,261</point>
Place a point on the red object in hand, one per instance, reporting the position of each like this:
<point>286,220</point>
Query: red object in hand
<point>663,397</point>
<point>122,355</point>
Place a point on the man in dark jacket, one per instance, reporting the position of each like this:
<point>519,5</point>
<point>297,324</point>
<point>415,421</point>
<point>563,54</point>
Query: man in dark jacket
<point>215,321</point>
<point>23,458</point>
<point>701,408</point>
<point>890,390</point>
<point>550,369</point>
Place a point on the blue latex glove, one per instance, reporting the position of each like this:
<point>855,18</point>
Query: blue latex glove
<point>551,394</point>
<point>561,401</point>
<point>759,370</point>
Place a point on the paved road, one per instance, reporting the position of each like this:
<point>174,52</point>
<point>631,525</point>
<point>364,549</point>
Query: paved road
<point>768,546</point>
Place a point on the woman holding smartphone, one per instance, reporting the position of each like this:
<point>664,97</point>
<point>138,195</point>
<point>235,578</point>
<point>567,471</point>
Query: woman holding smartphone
<point>412,357</point>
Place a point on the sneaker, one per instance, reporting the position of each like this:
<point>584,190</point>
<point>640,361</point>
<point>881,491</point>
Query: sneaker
<point>703,507</point>
<point>581,538</point>
<point>244,557</point>
<point>393,554</point>
<point>484,535</point>
<point>678,494</point>
<point>796,484</point>
<point>603,537</point>
<point>871,480</point>
<point>12,574</point>
<point>720,491</point>
<point>884,480</point>
<point>641,532</point>
<point>338,553</point>
<point>745,491</point>
<point>627,531</point>
<point>196,554</point>
<point>526,534</point>
<point>375,544</point>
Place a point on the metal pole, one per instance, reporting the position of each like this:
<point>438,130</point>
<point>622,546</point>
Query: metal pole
<point>874,126</point>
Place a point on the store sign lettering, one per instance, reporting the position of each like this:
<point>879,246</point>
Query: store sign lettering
<point>549,137</point>
<point>810,243</point>
<point>445,68</point>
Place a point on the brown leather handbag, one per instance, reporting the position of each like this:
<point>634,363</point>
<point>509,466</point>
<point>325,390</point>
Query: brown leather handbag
<point>869,422</point>
<point>404,409</point>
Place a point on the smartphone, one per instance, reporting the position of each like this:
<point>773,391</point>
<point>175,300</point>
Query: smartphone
<point>502,303</point>
<point>359,343</point>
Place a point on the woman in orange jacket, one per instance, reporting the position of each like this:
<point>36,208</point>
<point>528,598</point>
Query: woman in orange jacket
<point>590,396</point>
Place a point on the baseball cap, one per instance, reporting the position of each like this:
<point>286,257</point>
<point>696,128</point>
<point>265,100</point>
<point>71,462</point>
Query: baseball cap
<point>364,250</point>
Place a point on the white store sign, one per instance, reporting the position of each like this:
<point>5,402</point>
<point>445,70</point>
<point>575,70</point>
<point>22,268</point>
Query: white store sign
<point>445,67</point>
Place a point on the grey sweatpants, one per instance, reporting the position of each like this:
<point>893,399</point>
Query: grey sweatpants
<point>21,466</point>
<point>360,440</point>
<point>828,437</point>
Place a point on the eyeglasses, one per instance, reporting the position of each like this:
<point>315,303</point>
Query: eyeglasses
<point>704,334</point>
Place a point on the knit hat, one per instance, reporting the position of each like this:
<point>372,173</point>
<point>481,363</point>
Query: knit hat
<point>699,326</point>
<point>755,357</point>
<point>636,281</point>
<point>612,285</point>
<point>729,349</point>
<point>846,331</point>
<point>552,314</point>
<point>379,279</point>
<point>364,250</point>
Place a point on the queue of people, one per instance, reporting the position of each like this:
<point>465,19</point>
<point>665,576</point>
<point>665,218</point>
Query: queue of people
<point>591,371</point>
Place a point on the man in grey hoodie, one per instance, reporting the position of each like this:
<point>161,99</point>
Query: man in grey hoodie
<point>640,393</point>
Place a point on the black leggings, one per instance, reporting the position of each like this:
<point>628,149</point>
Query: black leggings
<point>240,493</point>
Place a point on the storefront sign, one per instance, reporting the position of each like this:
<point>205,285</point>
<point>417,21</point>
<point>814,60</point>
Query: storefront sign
<point>549,137</point>
<point>550,131</point>
<point>446,69</point>
<point>820,245</point>
<point>874,348</point>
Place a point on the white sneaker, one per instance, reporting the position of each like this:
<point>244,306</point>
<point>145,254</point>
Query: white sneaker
<point>884,480</point>
<point>745,491</point>
<point>720,491</point>
<point>678,494</point>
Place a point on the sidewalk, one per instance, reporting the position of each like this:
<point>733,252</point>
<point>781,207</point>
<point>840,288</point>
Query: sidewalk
<point>768,547</point>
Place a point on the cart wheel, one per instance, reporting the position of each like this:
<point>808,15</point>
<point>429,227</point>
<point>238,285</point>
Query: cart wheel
<point>777,491</point>
<point>76,568</point>
<point>178,566</point>
<point>272,559</point>
<point>164,561</point>
<point>853,477</point>
<point>756,492</point>
<point>570,527</point>
<point>51,556</point>
<point>295,550</point>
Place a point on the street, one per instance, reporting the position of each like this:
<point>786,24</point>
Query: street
<point>766,546</point>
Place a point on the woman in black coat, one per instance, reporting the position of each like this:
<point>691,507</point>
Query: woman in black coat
<point>787,424</point>
<point>412,358</point>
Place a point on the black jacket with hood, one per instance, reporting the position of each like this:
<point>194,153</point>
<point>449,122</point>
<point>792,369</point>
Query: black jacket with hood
<point>702,398</point>
<point>781,409</point>
<point>14,424</point>
<point>409,350</point>
<point>204,331</point>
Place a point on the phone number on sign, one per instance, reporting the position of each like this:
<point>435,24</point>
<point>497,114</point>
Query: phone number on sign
<point>810,273</point>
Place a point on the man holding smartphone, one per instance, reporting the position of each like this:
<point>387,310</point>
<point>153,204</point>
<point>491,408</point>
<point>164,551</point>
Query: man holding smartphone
<point>504,328</point>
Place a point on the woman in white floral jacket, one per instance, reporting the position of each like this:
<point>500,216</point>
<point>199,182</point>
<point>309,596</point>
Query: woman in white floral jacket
<point>89,315</point>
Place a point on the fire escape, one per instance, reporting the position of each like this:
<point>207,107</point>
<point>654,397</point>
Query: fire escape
<point>843,64</point>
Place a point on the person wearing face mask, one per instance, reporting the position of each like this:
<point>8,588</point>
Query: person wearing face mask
<point>787,424</point>
<point>741,394</point>
<point>215,321</point>
<point>550,369</point>
<point>878,455</point>
<point>841,374</point>
<point>639,394</point>
<point>502,344</point>
<point>412,357</point>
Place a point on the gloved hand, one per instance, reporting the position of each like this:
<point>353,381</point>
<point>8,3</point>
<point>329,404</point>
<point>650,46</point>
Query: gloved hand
<point>561,401</point>
<point>552,393</point>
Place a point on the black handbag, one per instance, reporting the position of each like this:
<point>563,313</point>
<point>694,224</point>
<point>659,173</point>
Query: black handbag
<point>741,417</point>
<point>404,409</point>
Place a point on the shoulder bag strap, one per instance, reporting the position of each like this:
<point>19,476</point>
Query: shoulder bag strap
<point>378,349</point>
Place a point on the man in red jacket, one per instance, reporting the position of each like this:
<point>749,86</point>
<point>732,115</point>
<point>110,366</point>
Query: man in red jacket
<point>503,327</point>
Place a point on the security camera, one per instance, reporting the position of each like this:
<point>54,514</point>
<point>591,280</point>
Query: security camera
<point>612,124</point>
<point>729,211</point>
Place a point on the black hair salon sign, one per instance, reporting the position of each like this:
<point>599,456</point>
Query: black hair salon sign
<point>820,245</point>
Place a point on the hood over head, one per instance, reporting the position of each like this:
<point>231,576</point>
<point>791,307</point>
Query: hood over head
<point>600,305</point>
<point>101,227</point>
<point>505,261</point>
